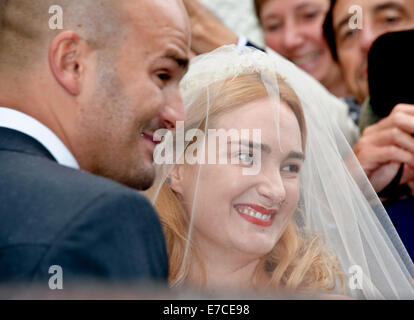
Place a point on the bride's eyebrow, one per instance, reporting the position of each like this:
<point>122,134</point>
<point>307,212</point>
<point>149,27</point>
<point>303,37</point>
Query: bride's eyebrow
<point>253,145</point>
<point>295,155</point>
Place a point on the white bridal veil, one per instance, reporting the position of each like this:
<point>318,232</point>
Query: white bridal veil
<point>336,201</point>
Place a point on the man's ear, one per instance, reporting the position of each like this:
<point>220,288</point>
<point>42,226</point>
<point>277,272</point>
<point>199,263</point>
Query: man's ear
<point>66,60</point>
<point>175,179</point>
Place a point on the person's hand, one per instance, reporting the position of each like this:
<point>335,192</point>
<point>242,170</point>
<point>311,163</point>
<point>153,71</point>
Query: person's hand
<point>208,32</point>
<point>408,177</point>
<point>384,146</point>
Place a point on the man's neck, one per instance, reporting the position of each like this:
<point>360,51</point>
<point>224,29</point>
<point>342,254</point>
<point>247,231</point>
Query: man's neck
<point>34,101</point>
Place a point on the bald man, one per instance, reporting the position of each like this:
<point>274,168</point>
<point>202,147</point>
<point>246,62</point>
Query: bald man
<point>78,110</point>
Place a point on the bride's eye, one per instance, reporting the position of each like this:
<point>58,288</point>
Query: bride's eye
<point>291,168</point>
<point>246,159</point>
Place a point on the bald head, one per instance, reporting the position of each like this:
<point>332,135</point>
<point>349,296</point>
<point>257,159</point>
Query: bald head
<point>105,83</point>
<point>25,33</point>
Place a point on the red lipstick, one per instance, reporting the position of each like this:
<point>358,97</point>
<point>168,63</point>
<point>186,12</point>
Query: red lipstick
<point>256,214</point>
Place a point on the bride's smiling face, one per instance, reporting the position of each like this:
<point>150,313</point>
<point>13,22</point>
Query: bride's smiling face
<point>247,214</point>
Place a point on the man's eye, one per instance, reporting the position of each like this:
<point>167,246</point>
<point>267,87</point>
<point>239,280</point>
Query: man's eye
<point>164,76</point>
<point>392,19</point>
<point>349,34</point>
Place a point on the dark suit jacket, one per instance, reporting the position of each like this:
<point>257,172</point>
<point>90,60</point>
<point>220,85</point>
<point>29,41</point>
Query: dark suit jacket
<point>401,214</point>
<point>92,227</point>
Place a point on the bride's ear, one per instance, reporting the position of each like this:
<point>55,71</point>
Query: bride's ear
<point>175,179</point>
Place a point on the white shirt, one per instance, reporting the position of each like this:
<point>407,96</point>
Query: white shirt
<point>28,125</point>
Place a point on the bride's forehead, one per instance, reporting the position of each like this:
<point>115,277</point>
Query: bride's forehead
<point>260,113</point>
<point>274,120</point>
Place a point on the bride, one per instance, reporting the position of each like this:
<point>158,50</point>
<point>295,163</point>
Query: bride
<point>280,202</point>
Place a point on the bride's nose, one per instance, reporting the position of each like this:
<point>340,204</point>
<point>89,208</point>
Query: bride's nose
<point>272,188</point>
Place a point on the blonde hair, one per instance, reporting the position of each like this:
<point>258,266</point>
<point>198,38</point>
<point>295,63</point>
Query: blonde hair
<point>299,260</point>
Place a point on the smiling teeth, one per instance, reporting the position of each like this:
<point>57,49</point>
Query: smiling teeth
<point>255,214</point>
<point>306,58</point>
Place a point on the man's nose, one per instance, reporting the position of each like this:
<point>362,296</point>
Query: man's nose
<point>173,112</point>
<point>368,36</point>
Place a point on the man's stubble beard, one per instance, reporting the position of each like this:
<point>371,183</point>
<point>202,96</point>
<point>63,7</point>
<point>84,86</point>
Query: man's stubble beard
<point>108,96</point>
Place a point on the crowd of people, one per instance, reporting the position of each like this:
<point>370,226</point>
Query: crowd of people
<point>86,193</point>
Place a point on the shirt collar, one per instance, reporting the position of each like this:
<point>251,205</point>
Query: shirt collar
<point>16,120</point>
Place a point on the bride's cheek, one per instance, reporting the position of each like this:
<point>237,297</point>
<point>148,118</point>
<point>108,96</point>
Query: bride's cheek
<point>292,193</point>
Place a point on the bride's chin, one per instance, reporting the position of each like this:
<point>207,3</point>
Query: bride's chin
<point>256,249</point>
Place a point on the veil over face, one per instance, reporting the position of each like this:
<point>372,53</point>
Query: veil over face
<point>237,214</point>
<point>259,190</point>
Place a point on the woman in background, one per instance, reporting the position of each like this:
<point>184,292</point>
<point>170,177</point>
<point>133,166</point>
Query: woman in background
<point>293,28</point>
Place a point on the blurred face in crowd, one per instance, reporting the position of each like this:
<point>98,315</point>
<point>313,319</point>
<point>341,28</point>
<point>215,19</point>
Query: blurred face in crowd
<point>293,28</point>
<point>353,45</point>
<point>136,94</point>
